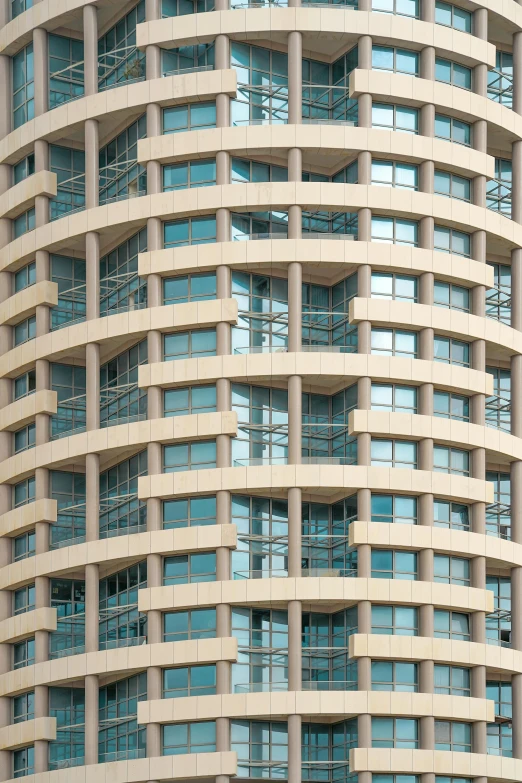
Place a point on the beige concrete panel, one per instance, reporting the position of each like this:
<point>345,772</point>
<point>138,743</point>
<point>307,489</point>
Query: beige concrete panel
<point>248,139</point>
<point>419,648</point>
<point>108,440</point>
<point>276,705</point>
<point>417,537</point>
<point>330,590</point>
<point>440,762</point>
<point>22,625</point>
<point>21,196</point>
<point>114,553</point>
<point>319,480</point>
<point>18,520</point>
<point>413,91</point>
<point>446,431</point>
<point>320,369</point>
<point>118,662</point>
<point>19,734</point>
<point>47,14</point>
<point>25,302</point>
<point>171,90</point>
<point>253,196</point>
<point>169,318</point>
<point>187,767</point>
<point>443,321</point>
<point>333,24</point>
<point>22,411</point>
<point>323,254</point>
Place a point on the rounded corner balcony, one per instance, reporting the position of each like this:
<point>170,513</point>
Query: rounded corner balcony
<point>261,383</point>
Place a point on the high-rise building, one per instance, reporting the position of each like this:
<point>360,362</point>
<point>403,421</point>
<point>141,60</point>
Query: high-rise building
<point>261,473</point>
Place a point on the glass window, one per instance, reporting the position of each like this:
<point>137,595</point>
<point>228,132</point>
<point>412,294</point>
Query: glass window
<point>453,736</point>
<point>24,492</point>
<point>399,509</point>
<point>450,406</point>
<point>181,738</point>
<point>392,397</point>
<point>498,623</point>
<point>394,453</point>
<point>120,174</point>
<point>187,345</point>
<point>120,736</point>
<point>348,175</point>
<point>394,564</point>
<point>24,599</point>
<point>24,546</point>
<point>121,399</point>
<point>189,456</point>
<point>498,514</point>
<point>24,223</point>
<point>189,512</point>
<point>395,174</point>
<point>256,741</point>
<point>452,570</point>
<point>254,171</point>
<point>388,58</point>
<point>66,72</point>
<point>395,733</point>
<point>118,58</point>
<point>452,16</point>
<point>69,167</point>
<point>191,624</point>
<point>498,298</point>
<point>23,169</point>
<point>120,287</point>
<point>452,73</point>
<point>23,653</point>
<point>121,624</point>
<point>23,86</point>
<point>402,288</point>
<point>498,406</point>
<point>25,384</point>
<point>389,778</point>
<point>190,231</point>
<point>68,598</point>
<point>397,118</point>
<point>399,7</point>
<point>192,174</point>
<point>192,400</point>
<point>500,79</point>
<point>24,438</point>
<point>448,460</point>
<point>19,6</point>
<point>452,296</point>
<point>451,129</point>
<point>69,383</point>
<point>25,330</point>
<point>186,59</point>
<point>69,275</point>
<point>25,277</point>
<point>23,707</point>
<point>449,240</point>
<point>501,692</point>
<point>452,625</point>
<point>450,351</point>
<point>395,676</point>
<point>452,515</point>
<point>189,288</point>
<point>452,185</point>
<point>395,620</point>
<point>452,680</point>
<point>67,706</point>
<point>395,231</point>
<point>187,569</point>
<point>394,342</point>
<point>23,762</point>
<point>121,511</point>
<point>189,681</point>
<point>191,116</point>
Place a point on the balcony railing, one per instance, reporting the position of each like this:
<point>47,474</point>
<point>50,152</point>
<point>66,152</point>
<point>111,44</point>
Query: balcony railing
<point>498,196</point>
<point>500,87</point>
<point>70,417</point>
<point>193,69</point>
<point>125,65</point>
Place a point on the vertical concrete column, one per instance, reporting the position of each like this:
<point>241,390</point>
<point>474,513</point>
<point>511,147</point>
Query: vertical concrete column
<point>92,604</point>
<point>428,11</point>
<point>41,476</point>
<point>154,691</point>
<point>295,279</point>
<point>92,165</point>
<point>92,691</point>
<point>41,71</point>
<point>41,710</point>
<point>480,72</point>
<point>516,197</point>
<point>364,102</point>
<point>427,63</point>
<point>90,49</point>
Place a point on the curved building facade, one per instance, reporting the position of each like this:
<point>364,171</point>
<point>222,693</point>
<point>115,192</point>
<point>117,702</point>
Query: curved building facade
<point>261,391</point>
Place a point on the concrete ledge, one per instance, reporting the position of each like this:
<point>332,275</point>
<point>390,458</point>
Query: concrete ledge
<point>21,519</point>
<point>25,302</point>
<point>25,409</point>
<point>17,735</point>
<point>23,625</point>
<point>21,196</point>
